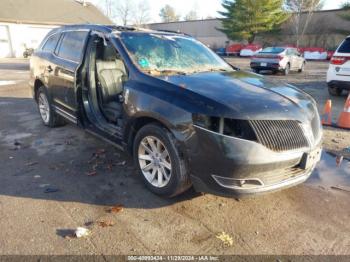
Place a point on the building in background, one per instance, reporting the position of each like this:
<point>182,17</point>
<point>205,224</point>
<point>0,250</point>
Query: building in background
<point>24,23</point>
<point>323,31</point>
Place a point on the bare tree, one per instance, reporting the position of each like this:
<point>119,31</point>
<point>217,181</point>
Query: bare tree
<point>108,7</point>
<point>192,15</point>
<point>303,11</point>
<point>168,14</point>
<point>142,14</point>
<point>123,11</point>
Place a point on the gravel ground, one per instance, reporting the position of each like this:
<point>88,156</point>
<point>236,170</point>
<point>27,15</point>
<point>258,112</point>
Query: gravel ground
<point>49,188</point>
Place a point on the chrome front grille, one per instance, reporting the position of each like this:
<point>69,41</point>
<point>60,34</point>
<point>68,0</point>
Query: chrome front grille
<point>279,135</point>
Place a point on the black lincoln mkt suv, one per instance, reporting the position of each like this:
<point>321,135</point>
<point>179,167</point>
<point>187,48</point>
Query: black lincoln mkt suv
<point>187,117</point>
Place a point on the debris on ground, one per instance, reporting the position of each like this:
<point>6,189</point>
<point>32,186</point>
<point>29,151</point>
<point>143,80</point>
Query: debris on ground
<point>70,236</point>
<point>53,167</point>
<point>89,223</point>
<point>82,232</point>
<point>17,145</point>
<point>105,223</point>
<point>116,209</point>
<point>123,163</point>
<point>335,141</point>
<point>93,173</point>
<point>225,238</point>
<point>109,167</point>
<point>68,142</point>
<point>100,152</point>
<point>341,188</point>
<point>31,163</point>
<point>51,190</point>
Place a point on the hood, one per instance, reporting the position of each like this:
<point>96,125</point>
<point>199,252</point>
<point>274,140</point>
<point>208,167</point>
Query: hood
<point>249,96</point>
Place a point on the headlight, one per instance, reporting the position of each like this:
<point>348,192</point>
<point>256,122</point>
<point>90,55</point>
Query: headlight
<point>225,126</point>
<point>207,122</point>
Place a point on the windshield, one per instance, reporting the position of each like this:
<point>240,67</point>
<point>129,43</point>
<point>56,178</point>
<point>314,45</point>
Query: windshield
<point>171,54</point>
<point>274,50</point>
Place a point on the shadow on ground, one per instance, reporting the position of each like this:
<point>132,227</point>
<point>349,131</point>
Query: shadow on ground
<point>66,163</point>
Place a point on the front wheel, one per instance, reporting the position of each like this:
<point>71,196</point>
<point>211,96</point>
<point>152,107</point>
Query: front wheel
<point>48,116</point>
<point>302,68</point>
<point>159,161</point>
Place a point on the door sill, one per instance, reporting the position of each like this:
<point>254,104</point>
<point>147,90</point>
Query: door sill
<point>92,132</point>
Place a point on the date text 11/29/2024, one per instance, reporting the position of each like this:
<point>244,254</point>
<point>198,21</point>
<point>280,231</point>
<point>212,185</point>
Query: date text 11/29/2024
<point>172,258</point>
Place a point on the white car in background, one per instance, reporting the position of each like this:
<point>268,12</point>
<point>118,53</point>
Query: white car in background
<point>278,59</point>
<point>338,76</point>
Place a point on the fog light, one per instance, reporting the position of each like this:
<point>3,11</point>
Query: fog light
<point>238,183</point>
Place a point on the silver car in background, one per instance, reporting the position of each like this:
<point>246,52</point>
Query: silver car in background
<point>278,59</point>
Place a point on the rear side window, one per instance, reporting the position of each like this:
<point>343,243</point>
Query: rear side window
<point>71,46</point>
<point>345,46</point>
<point>51,43</point>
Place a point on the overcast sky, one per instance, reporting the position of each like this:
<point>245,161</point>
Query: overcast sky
<point>204,8</point>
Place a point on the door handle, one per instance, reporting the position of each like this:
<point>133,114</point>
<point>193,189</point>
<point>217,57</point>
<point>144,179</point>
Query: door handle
<point>49,69</point>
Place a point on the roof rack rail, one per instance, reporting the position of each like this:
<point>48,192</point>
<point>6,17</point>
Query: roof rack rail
<point>172,31</point>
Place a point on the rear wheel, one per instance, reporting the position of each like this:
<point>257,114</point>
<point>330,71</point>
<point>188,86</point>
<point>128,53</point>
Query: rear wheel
<point>159,162</point>
<point>48,116</point>
<point>334,91</point>
<point>287,69</point>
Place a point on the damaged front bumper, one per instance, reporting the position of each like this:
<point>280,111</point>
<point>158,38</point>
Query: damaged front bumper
<point>222,164</point>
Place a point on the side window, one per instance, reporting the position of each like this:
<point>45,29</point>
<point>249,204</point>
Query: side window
<point>289,52</point>
<point>71,46</point>
<point>51,43</point>
<point>345,46</point>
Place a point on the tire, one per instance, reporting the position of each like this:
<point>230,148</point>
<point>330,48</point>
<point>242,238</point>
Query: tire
<point>176,180</point>
<point>334,91</point>
<point>48,116</point>
<point>257,71</point>
<point>287,70</point>
<point>302,68</point>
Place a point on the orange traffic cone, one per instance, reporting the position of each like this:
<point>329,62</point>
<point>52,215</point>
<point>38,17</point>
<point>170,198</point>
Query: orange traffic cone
<point>344,119</point>
<point>327,114</point>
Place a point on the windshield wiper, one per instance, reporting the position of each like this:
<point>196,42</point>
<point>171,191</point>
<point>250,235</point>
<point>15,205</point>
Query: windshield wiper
<point>210,70</point>
<point>166,72</point>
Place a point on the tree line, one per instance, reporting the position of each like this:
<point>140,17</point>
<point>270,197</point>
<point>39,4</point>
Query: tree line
<point>242,20</point>
<point>127,12</point>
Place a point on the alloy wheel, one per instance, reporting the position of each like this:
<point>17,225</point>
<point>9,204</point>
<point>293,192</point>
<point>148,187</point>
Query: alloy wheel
<point>44,108</point>
<point>155,162</point>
